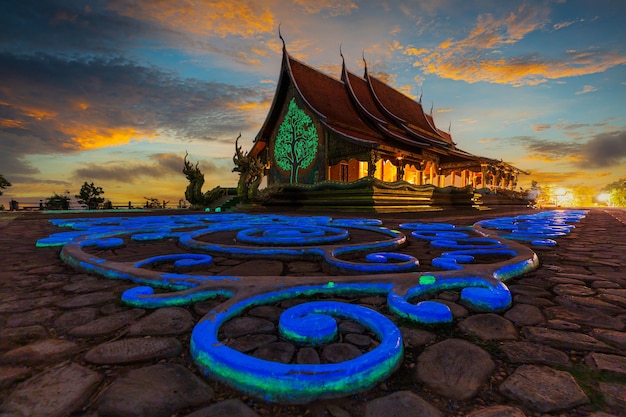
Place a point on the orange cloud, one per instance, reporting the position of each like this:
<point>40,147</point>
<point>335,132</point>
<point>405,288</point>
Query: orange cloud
<point>469,59</point>
<point>411,51</point>
<point>93,137</point>
<point>540,127</point>
<point>12,124</point>
<point>204,17</point>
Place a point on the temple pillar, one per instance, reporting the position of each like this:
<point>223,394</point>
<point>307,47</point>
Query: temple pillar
<point>400,171</point>
<point>452,178</point>
<point>483,171</point>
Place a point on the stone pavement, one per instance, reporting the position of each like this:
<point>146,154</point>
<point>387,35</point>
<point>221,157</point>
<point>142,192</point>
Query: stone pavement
<point>69,347</point>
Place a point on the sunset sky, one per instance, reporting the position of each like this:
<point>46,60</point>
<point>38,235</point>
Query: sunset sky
<point>116,91</point>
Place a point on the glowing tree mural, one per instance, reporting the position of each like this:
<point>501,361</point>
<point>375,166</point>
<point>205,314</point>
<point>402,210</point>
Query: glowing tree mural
<point>296,142</point>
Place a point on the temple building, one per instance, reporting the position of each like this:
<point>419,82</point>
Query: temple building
<point>323,130</point>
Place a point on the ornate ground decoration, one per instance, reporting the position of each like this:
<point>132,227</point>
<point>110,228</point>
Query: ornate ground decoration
<point>358,258</point>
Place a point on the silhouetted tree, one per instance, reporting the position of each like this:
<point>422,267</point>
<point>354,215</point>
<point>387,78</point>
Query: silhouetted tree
<point>90,196</point>
<point>58,202</point>
<point>3,183</point>
<point>617,192</point>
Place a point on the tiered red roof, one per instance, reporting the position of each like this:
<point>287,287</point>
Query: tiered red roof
<point>362,110</point>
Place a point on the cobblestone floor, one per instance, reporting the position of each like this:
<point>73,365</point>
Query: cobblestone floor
<point>68,346</point>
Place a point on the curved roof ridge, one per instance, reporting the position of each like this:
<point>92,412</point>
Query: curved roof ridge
<point>345,77</point>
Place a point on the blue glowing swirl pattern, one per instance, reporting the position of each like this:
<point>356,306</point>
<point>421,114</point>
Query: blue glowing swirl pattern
<point>361,258</point>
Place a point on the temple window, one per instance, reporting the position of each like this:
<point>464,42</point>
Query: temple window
<point>362,169</point>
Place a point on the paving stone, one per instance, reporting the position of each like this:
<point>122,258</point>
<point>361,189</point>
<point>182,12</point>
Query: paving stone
<point>349,326</point>
<point>11,374</point>
<point>29,304</point>
<point>498,411</point>
<point>134,350</point>
<point>155,391</point>
<point>46,270</point>
<point>29,318</point>
<point>308,356</point>
<point>90,285</point>
<point>536,301</point>
<point>527,352</point>
<point>449,296</point>
<point>612,364</point>
<point>107,324</point>
<point>565,280</point>
<point>299,267</point>
<point>457,310</point>
<point>565,340</point>
<point>240,326</point>
<point>613,299</point>
<point>536,282</point>
<point>604,284</point>
<point>373,300</point>
<point>257,267</point>
<point>336,411</point>
<point>113,308</point>
<point>267,312</point>
<point>56,392</point>
<point>401,404</point>
<point>75,318</point>
<point>454,368</point>
<point>204,307</point>
<point>528,290</point>
<point>601,414</point>
<point>589,302</point>
<point>585,316</point>
<point>362,341</point>
<point>614,394</point>
<point>562,325</point>
<point>340,352</point>
<point>276,352</point>
<point>18,336</point>
<point>524,315</point>
<point>543,389</point>
<point>417,337</point>
<point>85,300</point>
<point>251,342</point>
<point>233,407</point>
<point>571,289</point>
<point>164,321</point>
<point>620,292</point>
<point>489,326</point>
<point>612,337</point>
<point>40,352</point>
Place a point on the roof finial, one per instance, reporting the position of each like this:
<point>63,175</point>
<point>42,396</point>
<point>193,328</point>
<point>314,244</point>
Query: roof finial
<point>450,128</point>
<point>281,36</point>
<point>343,60</point>
<point>431,107</point>
<point>421,94</point>
<point>365,64</point>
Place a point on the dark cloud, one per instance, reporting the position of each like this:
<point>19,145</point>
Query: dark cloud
<point>66,26</point>
<point>546,148</point>
<point>160,166</point>
<point>50,104</point>
<point>605,150</point>
<point>602,150</point>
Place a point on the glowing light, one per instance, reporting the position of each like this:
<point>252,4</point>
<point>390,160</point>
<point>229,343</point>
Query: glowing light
<point>385,271</point>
